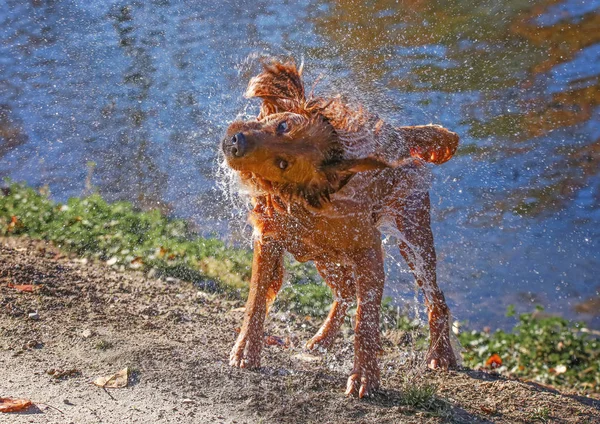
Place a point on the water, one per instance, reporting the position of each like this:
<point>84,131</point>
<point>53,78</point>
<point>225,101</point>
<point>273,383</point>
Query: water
<point>145,89</point>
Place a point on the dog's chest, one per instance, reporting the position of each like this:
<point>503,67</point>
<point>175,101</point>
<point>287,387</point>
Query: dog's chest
<point>310,235</point>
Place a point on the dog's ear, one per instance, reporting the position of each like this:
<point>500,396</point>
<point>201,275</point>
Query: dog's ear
<point>432,143</point>
<point>391,147</point>
<point>280,87</point>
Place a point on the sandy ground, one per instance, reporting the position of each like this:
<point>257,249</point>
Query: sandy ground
<point>175,339</point>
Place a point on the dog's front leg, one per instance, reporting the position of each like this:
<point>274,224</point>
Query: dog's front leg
<point>267,274</point>
<point>364,379</point>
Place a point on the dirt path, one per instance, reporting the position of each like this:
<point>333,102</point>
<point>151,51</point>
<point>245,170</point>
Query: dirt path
<point>94,321</point>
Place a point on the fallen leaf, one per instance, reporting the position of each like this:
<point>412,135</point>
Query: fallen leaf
<point>494,361</point>
<point>308,358</point>
<point>115,381</point>
<point>14,223</point>
<point>63,374</point>
<point>13,405</point>
<point>488,410</point>
<point>275,341</point>
<point>29,288</point>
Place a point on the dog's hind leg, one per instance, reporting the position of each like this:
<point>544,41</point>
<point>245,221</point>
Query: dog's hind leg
<point>417,248</point>
<point>267,274</point>
<point>341,281</point>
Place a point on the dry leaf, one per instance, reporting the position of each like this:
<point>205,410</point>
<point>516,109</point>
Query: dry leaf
<point>61,374</point>
<point>494,361</point>
<point>14,223</point>
<point>115,381</point>
<point>488,409</point>
<point>308,358</point>
<point>13,405</point>
<point>162,252</point>
<point>275,341</point>
<point>30,288</point>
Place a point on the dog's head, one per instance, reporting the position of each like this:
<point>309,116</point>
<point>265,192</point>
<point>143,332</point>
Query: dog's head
<point>293,147</point>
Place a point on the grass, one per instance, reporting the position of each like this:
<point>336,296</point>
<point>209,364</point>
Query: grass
<point>419,396</point>
<point>540,414</point>
<point>546,349</point>
<point>423,396</point>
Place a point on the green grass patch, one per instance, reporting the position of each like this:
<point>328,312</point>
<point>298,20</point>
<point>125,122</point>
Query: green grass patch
<point>547,349</point>
<point>540,414</point>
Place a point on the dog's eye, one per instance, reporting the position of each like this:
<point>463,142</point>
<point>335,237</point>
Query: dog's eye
<point>282,164</point>
<point>282,127</point>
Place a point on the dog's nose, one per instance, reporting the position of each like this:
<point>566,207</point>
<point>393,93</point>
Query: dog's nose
<point>236,145</point>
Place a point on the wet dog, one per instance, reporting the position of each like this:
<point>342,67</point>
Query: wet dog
<point>325,178</point>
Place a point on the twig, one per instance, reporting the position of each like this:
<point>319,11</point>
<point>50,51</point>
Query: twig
<point>49,406</point>
<point>109,395</point>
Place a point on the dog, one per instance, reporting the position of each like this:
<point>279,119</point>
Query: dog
<point>324,178</point>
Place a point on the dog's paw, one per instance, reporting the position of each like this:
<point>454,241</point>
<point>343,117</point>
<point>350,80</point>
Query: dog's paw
<point>441,357</point>
<point>320,342</point>
<point>245,353</point>
<point>362,384</point>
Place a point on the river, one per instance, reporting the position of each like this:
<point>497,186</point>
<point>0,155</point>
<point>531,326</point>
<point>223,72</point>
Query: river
<point>136,95</point>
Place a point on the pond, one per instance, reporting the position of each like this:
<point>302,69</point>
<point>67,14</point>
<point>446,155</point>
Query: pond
<point>130,98</point>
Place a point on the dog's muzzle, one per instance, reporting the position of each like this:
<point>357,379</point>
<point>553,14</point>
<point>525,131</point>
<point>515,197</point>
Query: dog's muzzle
<point>235,146</point>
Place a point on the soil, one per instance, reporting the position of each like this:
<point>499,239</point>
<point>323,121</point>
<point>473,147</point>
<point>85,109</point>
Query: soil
<point>93,321</point>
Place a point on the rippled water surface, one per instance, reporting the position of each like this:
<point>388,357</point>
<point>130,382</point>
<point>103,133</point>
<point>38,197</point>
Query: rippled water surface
<point>145,89</point>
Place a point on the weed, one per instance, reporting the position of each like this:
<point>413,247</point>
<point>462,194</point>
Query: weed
<point>103,345</point>
<point>540,414</point>
<point>422,395</point>
<point>419,396</point>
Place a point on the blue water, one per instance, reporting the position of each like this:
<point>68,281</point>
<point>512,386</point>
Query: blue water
<point>144,90</point>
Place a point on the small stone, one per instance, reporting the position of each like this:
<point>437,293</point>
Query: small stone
<point>86,334</point>
<point>187,401</point>
<point>32,344</point>
<point>34,316</point>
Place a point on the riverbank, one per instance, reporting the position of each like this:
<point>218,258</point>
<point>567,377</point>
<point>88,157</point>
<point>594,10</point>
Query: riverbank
<point>90,320</point>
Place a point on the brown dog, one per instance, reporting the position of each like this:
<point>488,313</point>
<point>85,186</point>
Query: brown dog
<point>324,179</point>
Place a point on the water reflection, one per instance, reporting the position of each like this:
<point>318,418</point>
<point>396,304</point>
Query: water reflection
<point>530,71</point>
<point>11,134</point>
<point>144,90</point>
